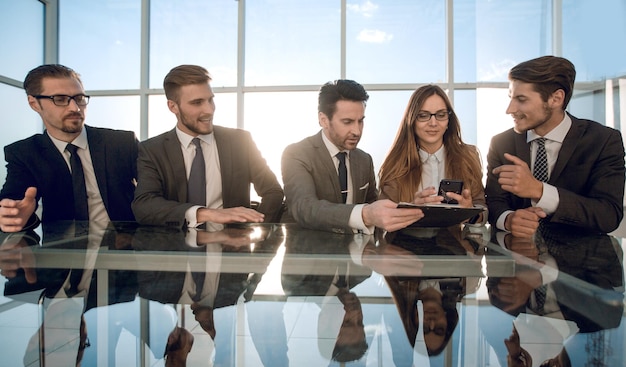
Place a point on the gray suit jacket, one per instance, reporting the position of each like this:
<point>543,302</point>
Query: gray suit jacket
<point>161,194</point>
<point>312,185</point>
<point>588,174</point>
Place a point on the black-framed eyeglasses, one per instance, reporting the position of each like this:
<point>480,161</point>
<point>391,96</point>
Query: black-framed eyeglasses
<point>64,100</point>
<point>442,115</point>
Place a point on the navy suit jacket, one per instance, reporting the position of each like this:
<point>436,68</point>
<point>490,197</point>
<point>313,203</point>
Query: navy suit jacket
<point>35,161</point>
<point>161,195</point>
<point>588,174</point>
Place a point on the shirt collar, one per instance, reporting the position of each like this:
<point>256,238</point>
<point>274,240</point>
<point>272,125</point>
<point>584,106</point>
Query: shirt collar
<point>332,148</point>
<point>424,155</point>
<point>185,139</point>
<point>557,134</point>
<point>80,141</point>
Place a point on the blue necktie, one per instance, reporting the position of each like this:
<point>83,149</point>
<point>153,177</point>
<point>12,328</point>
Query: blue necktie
<point>81,211</point>
<point>196,185</point>
<point>343,175</point>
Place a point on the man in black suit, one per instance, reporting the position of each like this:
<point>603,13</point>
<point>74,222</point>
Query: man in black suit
<point>584,181</point>
<point>39,167</point>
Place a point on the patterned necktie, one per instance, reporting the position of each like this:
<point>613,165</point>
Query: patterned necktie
<point>81,211</point>
<point>540,170</point>
<point>196,185</point>
<point>343,175</point>
<point>540,298</point>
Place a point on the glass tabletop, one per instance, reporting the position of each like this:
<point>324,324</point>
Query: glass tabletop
<point>121,294</point>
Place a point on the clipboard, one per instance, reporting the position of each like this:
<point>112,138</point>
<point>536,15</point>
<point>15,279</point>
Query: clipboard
<point>441,215</point>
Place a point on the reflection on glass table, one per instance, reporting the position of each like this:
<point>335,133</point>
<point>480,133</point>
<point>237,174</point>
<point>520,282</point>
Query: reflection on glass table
<point>279,295</point>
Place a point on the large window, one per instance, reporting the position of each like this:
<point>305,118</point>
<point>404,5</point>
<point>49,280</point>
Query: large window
<point>269,57</point>
<point>22,44</point>
<point>102,41</point>
<point>193,32</point>
<point>292,42</point>
<point>396,41</point>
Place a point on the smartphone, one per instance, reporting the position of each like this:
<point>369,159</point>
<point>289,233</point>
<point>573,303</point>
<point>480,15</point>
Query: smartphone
<point>448,185</point>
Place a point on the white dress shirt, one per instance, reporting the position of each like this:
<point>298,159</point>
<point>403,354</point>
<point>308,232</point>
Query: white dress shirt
<point>433,168</point>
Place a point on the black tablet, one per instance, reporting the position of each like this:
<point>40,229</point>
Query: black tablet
<point>441,215</point>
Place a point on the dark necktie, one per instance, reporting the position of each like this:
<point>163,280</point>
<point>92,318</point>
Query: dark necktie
<point>342,272</point>
<point>540,298</point>
<point>198,279</point>
<point>540,170</point>
<point>81,211</point>
<point>75,277</point>
<point>343,175</point>
<point>196,186</point>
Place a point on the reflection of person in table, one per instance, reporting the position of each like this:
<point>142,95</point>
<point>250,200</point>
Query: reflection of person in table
<point>438,297</point>
<point>208,291</point>
<point>72,302</point>
<point>341,316</point>
<point>568,281</point>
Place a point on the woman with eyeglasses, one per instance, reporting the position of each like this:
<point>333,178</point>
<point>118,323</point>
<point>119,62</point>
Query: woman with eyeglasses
<point>427,149</point>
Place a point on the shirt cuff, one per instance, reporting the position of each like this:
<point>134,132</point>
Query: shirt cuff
<point>502,219</point>
<point>549,272</point>
<point>191,216</point>
<point>549,201</point>
<point>356,220</point>
<point>357,246</point>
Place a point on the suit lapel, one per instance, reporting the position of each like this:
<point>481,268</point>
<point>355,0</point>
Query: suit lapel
<point>48,149</point>
<point>225,157</point>
<point>567,148</point>
<point>175,158</point>
<point>522,148</point>
<point>328,166</point>
<point>356,164</point>
<point>97,150</point>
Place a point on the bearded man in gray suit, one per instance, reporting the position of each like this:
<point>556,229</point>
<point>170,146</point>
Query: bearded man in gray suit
<point>313,190</point>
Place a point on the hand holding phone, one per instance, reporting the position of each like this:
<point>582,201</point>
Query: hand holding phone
<point>448,185</point>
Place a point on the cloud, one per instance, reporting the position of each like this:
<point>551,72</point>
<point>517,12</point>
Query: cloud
<point>498,70</point>
<point>367,9</point>
<point>374,36</point>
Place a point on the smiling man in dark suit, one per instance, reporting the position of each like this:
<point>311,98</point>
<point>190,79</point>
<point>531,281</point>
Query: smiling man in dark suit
<point>165,192</point>
<point>39,167</point>
<point>584,182</point>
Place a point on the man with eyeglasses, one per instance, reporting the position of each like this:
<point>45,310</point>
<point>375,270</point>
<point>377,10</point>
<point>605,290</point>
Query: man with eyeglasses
<point>98,186</point>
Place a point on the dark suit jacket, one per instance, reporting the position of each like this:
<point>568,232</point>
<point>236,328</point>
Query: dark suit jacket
<point>588,174</point>
<point>161,194</point>
<point>312,186</point>
<point>36,161</point>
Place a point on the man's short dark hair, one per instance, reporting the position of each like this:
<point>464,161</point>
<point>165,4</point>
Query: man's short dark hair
<point>33,80</point>
<point>184,75</point>
<point>341,89</point>
<point>547,74</point>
